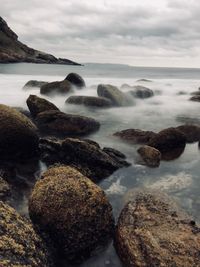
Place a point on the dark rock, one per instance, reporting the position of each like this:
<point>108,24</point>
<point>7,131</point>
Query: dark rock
<point>37,105</point>
<point>152,231</point>
<point>143,80</point>
<point>84,155</point>
<point>58,87</point>
<point>111,92</point>
<point>89,101</point>
<point>73,211</point>
<point>195,98</point>
<point>141,92</point>
<point>135,136</point>
<point>5,190</point>
<point>191,132</point>
<point>20,245</point>
<point>76,80</point>
<point>18,135</point>
<point>12,50</point>
<point>150,156</point>
<point>168,140</point>
<point>33,83</point>
<point>196,93</point>
<point>61,124</point>
<point>23,111</point>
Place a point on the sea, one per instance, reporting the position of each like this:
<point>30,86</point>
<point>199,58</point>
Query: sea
<point>169,107</point>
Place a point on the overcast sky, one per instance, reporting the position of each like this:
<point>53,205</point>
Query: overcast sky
<point>134,32</point>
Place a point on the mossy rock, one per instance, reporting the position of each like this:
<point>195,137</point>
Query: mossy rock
<point>18,135</point>
<point>72,210</point>
<point>20,245</point>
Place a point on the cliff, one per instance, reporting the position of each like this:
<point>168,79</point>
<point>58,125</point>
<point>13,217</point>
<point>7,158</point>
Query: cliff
<point>12,50</point>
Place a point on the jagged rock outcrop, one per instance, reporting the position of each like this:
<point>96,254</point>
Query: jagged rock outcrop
<point>12,50</point>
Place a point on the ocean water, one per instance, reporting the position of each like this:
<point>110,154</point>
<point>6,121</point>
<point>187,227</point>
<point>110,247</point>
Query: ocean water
<point>179,178</point>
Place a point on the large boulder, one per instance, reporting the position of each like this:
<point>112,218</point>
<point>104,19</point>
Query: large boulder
<point>117,97</point>
<point>169,141</point>
<point>85,155</point>
<point>20,245</point>
<point>75,79</point>
<point>58,87</point>
<point>191,132</point>
<point>89,101</point>
<point>33,83</point>
<point>135,136</point>
<point>72,210</point>
<point>151,156</point>
<point>55,122</point>
<point>18,135</point>
<point>151,231</point>
<point>141,92</point>
<point>37,105</point>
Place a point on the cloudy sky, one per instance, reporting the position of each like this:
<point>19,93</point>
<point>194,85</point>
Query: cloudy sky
<point>134,32</point>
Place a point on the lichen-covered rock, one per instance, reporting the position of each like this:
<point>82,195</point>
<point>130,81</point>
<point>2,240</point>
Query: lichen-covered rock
<point>72,210</point>
<point>141,92</point>
<point>135,136</point>
<point>117,97</point>
<point>58,87</point>
<point>151,231</point>
<point>19,243</point>
<point>18,135</point>
<point>61,124</point>
<point>168,140</point>
<point>33,83</point>
<point>5,190</point>
<point>150,156</point>
<point>191,132</point>
<point>75,79</point>
<point>84,155</point>
<point>37,105</point>
<point>89,101</point>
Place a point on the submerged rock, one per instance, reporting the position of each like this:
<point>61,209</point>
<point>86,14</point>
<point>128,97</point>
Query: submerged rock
<point>150,156</point>
<point>73,211</point>
<point>19,243</point>
<point>117,97</point>
<point>191,132</point>
<point>33,83</point>
<point>135,136</point>
<point>84,155</point>
<point>37,105</point>
<point>151,231</point>
<point>76,80</point>
<point>18,135</point>
<point>57,123</point>
<point>58,87</point>
<point>141,92</point>
<point>89,101</point>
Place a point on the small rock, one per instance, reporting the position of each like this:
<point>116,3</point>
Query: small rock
<point>135,136</point>
<point>89,101</point>
<point>195,98</point>
<point>141,92</point>
<point>196,93</point>
<point>76,80</point>
<point>33,83</point>
<point>58,87</point>
<point>150,155</point>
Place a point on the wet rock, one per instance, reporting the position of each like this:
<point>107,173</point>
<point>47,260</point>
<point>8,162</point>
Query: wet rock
<point>150,156</point>
<point>18,135</point>
<point>196,93</point>
<point>19,243</point>
<point>72,210</point>
<point>5,190</point>
<point>33,83</point>
<point>37,105</point>
<point>76,80</point>
<point>58,87</point>
<point>111,92</point>
<point>135,136</point>
<point>61,124</point>
<point>195,98</point>
<point>169,141</point>
<point>141,92</point>
<point>89,101</point>
<point>84,155</point>
<point>191,132</point>
<point>152,231</point>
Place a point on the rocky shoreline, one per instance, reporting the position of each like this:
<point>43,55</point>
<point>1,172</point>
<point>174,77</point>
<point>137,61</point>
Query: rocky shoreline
<point>70,216</point>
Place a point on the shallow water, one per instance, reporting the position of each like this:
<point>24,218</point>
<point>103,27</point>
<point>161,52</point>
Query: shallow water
<point>179,178</point>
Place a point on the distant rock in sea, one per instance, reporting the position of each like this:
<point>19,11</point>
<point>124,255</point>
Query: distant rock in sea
<point>13,51</point>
